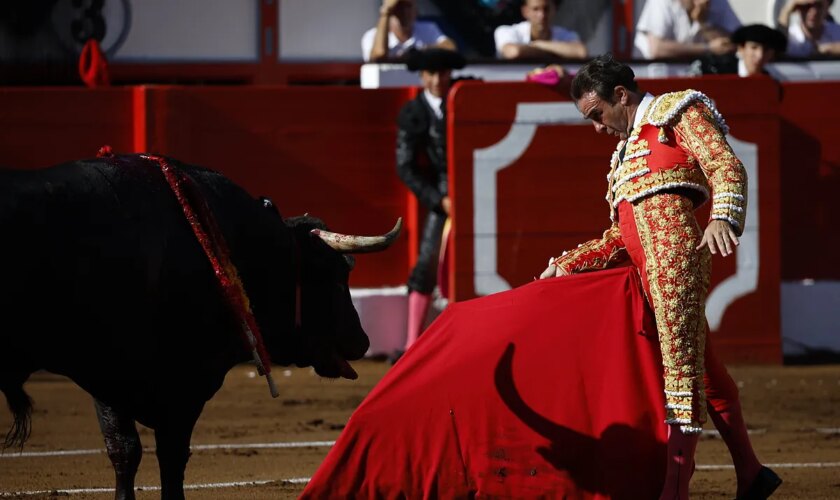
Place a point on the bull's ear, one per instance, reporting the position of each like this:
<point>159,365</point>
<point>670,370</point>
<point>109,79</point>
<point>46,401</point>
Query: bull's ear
<point>351,261</point>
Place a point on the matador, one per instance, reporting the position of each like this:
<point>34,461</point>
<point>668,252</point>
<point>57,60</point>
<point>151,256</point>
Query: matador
<point>673,156</point>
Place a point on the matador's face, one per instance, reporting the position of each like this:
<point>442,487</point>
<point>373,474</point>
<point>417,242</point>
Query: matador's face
<point>607,117</point>
<point>755,56</point>
<point>437,82</point>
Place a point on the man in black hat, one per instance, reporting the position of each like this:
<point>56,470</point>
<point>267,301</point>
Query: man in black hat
<point>422,132</point>
<point>756,45</point>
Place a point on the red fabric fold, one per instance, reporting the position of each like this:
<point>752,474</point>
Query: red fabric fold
<point>547,390</point>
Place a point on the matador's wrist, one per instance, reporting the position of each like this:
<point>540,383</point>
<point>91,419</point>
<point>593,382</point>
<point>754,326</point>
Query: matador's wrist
<point>558,263</point>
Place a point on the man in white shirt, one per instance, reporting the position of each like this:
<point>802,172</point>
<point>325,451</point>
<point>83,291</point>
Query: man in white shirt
<point>684,28</point>
<point>398,30</point>
<point>537,36</point>
<point>810,33</point>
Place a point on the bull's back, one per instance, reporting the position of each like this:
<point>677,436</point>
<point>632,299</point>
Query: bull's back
<point>98,244</point>
<point>105,208</point>
<point>78,211</point>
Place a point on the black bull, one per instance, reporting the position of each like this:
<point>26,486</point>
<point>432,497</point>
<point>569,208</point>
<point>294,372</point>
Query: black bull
<point>104,281</point>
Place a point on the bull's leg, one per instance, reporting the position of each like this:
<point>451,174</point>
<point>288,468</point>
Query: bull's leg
<point>173,452</point>
<point>123,445</point>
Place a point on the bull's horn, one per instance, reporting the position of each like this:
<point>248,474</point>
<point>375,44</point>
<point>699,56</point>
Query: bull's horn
<point>348,243</point>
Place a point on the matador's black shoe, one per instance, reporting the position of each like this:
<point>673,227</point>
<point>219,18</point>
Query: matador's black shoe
<point>764,484</point>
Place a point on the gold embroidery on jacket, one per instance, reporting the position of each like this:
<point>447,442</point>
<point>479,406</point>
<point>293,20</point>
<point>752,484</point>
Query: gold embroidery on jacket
<point>711,163</point>
<point>654,182</point>
<point>594,254</point>
<point>721,166</point>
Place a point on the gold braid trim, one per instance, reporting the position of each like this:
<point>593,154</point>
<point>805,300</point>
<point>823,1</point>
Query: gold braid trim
<point>664,180</point>
<point>594,254</point>
<point>667,109</point>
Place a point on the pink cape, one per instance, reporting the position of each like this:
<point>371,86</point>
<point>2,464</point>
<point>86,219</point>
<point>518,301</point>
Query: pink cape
<point>547,390</point>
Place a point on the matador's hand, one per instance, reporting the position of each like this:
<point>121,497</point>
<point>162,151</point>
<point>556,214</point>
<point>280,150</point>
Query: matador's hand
<point>719,235</point>
<point>552,271</point>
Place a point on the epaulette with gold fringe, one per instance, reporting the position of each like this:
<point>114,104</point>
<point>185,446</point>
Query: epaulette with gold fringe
<point>666,110</point>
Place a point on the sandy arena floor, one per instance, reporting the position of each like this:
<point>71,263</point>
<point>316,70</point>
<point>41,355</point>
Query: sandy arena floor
<point>794,412</point>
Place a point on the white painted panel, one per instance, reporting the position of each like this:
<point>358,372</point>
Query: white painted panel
<point>325,29</point>
<point>187,30</point>
<point>383,313</point>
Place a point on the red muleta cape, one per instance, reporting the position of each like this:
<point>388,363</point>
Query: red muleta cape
<point>550,389</point>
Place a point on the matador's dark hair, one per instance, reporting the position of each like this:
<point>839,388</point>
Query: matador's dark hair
<point>603,74</point>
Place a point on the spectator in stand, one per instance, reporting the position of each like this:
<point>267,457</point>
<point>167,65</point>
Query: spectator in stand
<point>536,36</point>
<point>757,45</point>
<point>811,32</point>
<point>398,30</point>
<point>684,28</point>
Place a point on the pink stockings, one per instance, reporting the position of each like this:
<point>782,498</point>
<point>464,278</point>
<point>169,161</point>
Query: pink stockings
<point>680,463</point>
<point>418,306</point>
<point>724,408</point>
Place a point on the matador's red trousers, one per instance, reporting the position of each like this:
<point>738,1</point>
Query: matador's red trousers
<point>660,234</point>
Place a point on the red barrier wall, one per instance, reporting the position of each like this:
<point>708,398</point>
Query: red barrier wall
<point>46,126</point>
<point>810,156</point>
<point>550,193</point>
<point>329,152</point>
<point>326,151</point>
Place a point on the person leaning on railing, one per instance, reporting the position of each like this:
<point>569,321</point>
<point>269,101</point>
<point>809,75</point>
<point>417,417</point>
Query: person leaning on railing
<point>810,31</point>
<point>536,36</point>
<point>397,30</point>
<point>684,28</point>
